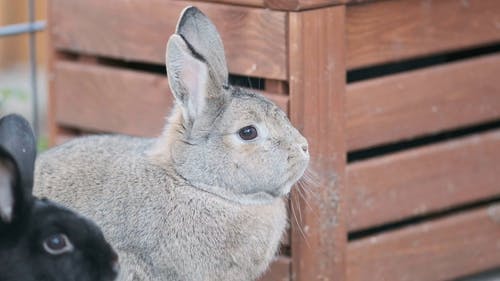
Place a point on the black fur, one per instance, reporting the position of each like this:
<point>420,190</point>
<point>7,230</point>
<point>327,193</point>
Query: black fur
<point>22,255</point>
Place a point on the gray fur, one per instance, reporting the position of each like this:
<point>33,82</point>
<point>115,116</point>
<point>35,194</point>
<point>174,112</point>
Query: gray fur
<point>198,202</point>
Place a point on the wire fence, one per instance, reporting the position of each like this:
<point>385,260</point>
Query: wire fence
<point>31,27</point>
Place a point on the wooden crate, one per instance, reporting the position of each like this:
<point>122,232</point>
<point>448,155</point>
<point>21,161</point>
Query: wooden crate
<point>399,99</point>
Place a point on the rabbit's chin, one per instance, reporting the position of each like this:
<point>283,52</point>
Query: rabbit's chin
<point>255,198</point>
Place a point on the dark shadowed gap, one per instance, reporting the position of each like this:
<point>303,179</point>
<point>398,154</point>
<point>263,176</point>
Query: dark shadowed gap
<point>236,80</point>
<point>416,63</point>
<point>412,221</point>
<point>363,154</point>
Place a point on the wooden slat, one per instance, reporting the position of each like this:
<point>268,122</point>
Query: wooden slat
<point>388,31</point>
<point>100,98</point>
<point>297,5</point>
<point>317,90</point>
<point>253,3</point>
<point>254,39</point>
<point>287,5</point>
<point>276,86</point>
<point>111,100</point>
<point>423,180</point>
<point>52,56</point>
<point>278,271</point>
<point>420,102</point>
<point>439,250</point>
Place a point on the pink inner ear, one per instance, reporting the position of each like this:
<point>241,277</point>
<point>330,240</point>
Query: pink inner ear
<point>6,195</point>
<point>194,76</point>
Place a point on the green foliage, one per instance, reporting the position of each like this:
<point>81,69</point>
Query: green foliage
<point>42,144</point>
<point>7,94</point>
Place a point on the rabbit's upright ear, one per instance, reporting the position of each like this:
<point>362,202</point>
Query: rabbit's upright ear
<point>17,160</point>
<point>196,68</point>
<point>202,36</point>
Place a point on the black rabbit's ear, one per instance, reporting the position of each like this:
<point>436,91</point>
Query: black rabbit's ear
<point>7,181</point>
<point>17,161</point>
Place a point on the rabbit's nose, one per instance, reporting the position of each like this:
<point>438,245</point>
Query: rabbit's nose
<point>305,147</point>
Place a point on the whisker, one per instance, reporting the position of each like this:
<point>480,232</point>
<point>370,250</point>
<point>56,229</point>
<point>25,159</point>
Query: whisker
<point>250,82</point>
<point>303,195</point>
<point>304,186</point>
<point>311,176</point>
<point>299,226</point>
<point>297,201</point>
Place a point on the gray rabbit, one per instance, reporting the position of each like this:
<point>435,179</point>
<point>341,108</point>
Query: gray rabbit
<point>204,201</point>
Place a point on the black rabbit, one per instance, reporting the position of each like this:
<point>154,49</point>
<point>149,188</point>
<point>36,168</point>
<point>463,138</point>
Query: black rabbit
<point>39,239</point>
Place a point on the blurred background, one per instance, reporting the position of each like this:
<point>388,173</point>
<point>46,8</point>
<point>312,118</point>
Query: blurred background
<point>15,66</point>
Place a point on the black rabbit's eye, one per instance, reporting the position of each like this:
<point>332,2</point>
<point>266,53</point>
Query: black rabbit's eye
<point>57,244</point>
<point>248,133</point>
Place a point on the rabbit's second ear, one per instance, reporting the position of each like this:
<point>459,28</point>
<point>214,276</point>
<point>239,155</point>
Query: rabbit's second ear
<point>17,161</point>
<point>200,97</point>
<point>7,178</point>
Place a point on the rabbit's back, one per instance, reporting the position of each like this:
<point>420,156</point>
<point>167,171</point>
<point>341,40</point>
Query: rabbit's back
<point>105,178</point>
<point>159,225</point>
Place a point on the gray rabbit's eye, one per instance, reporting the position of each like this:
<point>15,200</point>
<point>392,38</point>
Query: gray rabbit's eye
<point>57,244</point>
<point>248,133</point>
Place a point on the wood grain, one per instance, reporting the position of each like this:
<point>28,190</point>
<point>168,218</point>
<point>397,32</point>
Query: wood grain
<point>443,249</point>
<point>317,89</point>
<point>276,86</point>
<point>278,271</point>
<point>423,180</point>
<point>52,56</point>
<point>137,30</point>
<point>410,104</point>
<point>389,31</point>
<point>111,100</point>
<point>297,5</point>
<point>253,3</point>
<point>101,98</point>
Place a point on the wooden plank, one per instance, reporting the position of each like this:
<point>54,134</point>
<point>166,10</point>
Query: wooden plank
<point>51,58</point>
<point>443,249</point>
<point>297,5</point>
<point>276,86</point>
<point>317,88</point>
<point>254,39</point>
<point>423,180</point>
<point>410,104</point>
<point>253,3</point>
<point>388,31</point>
<point>278,271</point>
<point>101,98</point>
<point>111,100</point>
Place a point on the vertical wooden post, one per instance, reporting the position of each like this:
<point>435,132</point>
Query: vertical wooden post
<point>317,88</point>
<point>51,104</point>
<point>57,134</point>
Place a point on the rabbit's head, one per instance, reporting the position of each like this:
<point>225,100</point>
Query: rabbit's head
<point>39,239</point>
<point>223,139</point>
